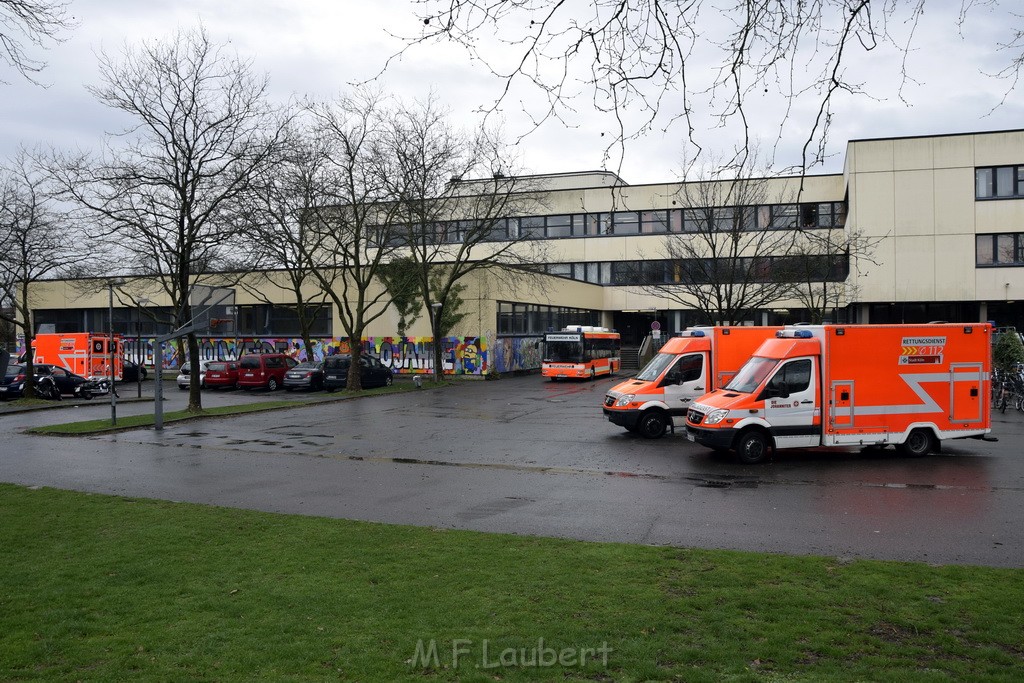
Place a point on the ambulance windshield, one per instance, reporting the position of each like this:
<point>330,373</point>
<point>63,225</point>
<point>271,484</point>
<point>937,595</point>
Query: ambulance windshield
<point>658,364</point>
<point>752,374</point>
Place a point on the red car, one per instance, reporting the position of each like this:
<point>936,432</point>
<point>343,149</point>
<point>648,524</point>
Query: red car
<point>221,374</point>
<point>264,370</point>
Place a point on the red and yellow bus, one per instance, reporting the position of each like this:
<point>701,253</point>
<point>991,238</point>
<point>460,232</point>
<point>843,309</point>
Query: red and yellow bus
<point>580,352</point>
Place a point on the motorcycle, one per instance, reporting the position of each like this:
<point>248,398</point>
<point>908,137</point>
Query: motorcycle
<point>92,387</point>
<point>47,389</point>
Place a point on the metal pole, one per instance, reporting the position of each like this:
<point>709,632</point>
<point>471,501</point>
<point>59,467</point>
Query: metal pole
<point>113,396</point>
<point>158,391</point>
<point>138,344</point>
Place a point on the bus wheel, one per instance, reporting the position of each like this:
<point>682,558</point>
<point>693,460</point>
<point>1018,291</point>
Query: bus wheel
<point>752,447</point>
<point>652,425</point>
<point>918,443</point>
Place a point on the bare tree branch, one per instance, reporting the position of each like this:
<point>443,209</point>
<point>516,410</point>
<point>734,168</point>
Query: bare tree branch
<point>28,24</point>
<point>635,60</point>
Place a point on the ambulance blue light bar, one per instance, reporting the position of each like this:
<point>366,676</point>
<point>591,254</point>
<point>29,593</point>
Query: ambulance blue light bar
<point>794,334</point>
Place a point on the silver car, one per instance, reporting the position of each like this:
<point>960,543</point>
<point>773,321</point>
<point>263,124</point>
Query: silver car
<point>186,371</point>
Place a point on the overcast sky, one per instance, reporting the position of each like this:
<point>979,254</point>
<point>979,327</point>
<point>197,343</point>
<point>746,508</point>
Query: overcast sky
<point>320,47</point>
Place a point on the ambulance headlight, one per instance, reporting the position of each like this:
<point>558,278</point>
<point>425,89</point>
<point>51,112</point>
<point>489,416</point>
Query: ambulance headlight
<point>715,416</point>
<point>625,400</point>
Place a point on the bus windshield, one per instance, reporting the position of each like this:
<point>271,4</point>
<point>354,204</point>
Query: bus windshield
<point>658,364</point>
<point>752,374</point>
<point>563,351</point>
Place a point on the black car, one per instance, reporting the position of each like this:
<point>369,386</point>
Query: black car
<point>372,373</point>
<point>13,383</point>
<point>133,372</point>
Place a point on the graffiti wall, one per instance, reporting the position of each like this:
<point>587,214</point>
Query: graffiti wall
<point>512,354</point>
<point>404,355</point>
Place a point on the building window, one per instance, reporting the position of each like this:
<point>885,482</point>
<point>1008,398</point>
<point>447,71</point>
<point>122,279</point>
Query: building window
<point>560,226</point>
<point>535,319</point>
<point>625,223</point>
<point>598,224</point>
<point>1002,249</point>
<point>531,228</point>
<point>653,222</point>
<point>999,182</point>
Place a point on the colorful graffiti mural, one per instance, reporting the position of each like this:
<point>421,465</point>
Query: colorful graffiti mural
<point>404,355</point>
<point>514,354</point>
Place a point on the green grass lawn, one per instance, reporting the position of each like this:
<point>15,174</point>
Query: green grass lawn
<point>106,588</point>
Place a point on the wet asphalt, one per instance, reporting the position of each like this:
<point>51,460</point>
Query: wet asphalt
<point>525,456</point>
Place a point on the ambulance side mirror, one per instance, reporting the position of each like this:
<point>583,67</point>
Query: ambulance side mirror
<point>774,392</point>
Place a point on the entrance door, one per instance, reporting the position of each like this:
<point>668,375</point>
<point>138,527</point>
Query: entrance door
<point>792,411</point>
<point>634,327</point>
<point>683,382</point>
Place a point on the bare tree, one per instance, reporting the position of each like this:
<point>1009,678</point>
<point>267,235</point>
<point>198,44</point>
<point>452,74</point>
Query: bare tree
<point>280,234</point>
<point>26,24</point>
<point>646,62</point>
<point>36,243</point>
<point>353,225</point>
<point>454,201</point>
<point>168,187</point>
<point>723,262</point>
<point>820,264</point>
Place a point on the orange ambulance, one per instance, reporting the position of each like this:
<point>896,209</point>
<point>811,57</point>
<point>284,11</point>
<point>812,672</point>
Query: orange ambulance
<point>852,385</point>
<point>689,365</point>
<point>83,353</point>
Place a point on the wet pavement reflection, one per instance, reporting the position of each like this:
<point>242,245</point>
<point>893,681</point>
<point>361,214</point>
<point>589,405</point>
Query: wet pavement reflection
<point>523,455</point>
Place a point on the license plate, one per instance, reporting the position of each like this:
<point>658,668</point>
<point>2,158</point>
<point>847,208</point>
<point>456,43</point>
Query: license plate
<point>2,389</point>
<point>691,437</point>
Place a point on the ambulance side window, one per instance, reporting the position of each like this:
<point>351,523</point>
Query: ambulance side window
<point>686,369</point>
<point>791,378</point>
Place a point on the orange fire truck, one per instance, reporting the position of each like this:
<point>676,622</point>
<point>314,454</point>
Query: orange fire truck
<point>84,353</point>
<point>688,366</point>
<point>852,385</point>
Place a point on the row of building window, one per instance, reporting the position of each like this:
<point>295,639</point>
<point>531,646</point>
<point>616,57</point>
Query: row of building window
<point>535,319</point>
<point>653,222</point>
<point>998,182</point>
<point>257,320</point>
<point>704,271</point>
<point>1001,249</point>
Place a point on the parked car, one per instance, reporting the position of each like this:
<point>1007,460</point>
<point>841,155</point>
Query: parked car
<point>309,375</point>
<point>186,371</point>
<point>13,383</point>
<point>221,374</point>
<point>264,370</point>
<point>372,373</point>
<point>133,372</point>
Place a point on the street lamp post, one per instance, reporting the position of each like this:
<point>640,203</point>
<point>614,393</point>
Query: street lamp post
<point>139,352</point>
<point>436,324</point>
<point>111,347</point>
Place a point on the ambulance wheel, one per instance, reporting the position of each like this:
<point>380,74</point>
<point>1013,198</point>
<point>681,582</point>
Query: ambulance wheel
<point>752,447</point>
<point>652,424</point>
<point>919,443</point>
